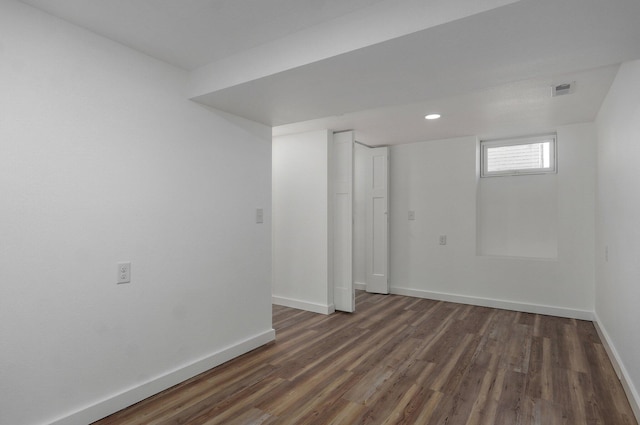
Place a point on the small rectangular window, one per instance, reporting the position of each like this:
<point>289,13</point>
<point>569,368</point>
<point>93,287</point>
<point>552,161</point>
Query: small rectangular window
<point>510,157</point>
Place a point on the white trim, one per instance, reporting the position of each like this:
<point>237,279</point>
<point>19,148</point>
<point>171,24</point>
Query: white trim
<point>618,366</point>
<point>303,305</point>
<point>360,286</point>
<point>134,395</point>
<point>490,302</point>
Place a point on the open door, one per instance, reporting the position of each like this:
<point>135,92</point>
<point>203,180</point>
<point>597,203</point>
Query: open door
<point>344,296</point>
<point>377,221</point>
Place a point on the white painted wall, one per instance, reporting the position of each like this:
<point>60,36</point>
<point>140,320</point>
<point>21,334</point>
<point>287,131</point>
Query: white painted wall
<point>102,159</point>
<point>438,180</point>
<point>518,216</point>
<point>301,208</point>
<point>618,214</point>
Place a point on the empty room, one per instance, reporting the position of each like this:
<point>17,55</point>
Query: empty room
<point>319,212</point>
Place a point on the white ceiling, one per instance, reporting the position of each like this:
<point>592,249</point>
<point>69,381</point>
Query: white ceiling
<point>514,109</point>
<point>192,33</point>
<point>487,69</point>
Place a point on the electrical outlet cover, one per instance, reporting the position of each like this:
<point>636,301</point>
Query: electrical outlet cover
<point>124,272</point>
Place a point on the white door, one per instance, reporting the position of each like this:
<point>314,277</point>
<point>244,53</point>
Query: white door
<point>342,221</point>
<point>377,221</point>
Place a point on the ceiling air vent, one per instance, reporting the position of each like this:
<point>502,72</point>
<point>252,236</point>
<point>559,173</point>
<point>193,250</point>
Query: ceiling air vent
<point>562,89</point>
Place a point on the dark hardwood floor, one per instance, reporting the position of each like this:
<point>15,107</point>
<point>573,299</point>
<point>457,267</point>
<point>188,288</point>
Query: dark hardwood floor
<point>401,360</point>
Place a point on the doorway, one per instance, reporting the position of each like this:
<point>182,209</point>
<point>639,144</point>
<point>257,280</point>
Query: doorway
<point>371,218</point>
<point>359,220</point>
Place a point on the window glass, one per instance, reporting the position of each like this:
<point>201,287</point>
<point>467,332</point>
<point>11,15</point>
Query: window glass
<point>533,155</point>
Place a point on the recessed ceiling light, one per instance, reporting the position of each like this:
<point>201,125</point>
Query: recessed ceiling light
<point>432,116</point>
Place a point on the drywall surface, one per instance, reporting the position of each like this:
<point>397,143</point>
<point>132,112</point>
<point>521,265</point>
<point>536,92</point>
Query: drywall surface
<point>382,21</point>
<point>518,216</point>
<point>301,220</point>
<point>439,181</point>
<point>618,231</point>
<point>102,159</point>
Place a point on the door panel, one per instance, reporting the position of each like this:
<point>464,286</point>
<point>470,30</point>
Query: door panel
<point>377,218</point>
<point>342,222</point>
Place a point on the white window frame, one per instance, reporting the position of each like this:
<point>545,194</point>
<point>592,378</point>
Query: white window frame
<point>485,144</point>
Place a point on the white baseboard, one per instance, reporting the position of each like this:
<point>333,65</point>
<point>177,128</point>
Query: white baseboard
<point>360,286</point>
<point>502,304</point>
<point>134,395</point>
<point>618,366</point>
<point>303,305</point>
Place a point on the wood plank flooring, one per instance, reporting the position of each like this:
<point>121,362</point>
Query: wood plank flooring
<point>401,360</point>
